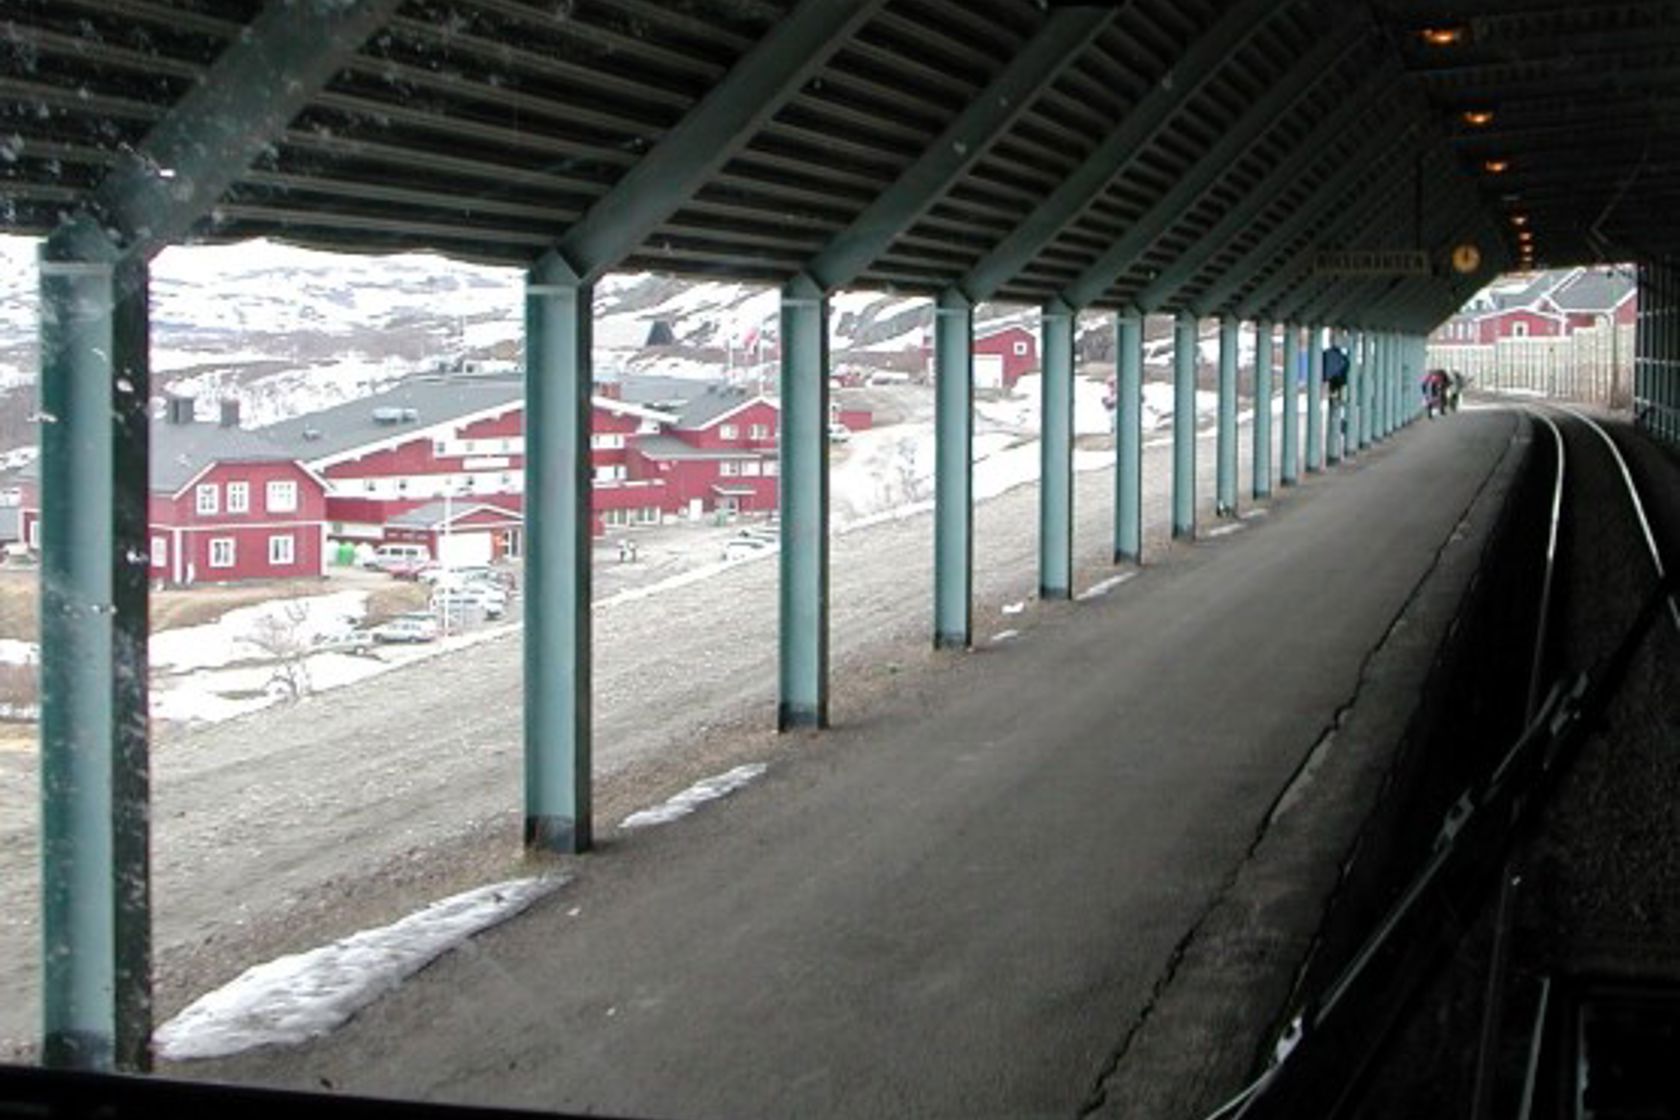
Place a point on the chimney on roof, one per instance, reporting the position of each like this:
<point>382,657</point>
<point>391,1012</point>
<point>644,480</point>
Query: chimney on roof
<point>179,410</point>
<point>230,413</point>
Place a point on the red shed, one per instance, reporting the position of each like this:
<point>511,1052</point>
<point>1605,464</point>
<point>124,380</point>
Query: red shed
<point>1015,346</point>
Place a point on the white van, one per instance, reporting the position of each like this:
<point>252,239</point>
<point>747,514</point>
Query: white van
<point>391,557</point>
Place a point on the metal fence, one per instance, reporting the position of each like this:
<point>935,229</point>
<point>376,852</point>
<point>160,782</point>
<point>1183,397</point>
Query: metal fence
<point>1593,365</point>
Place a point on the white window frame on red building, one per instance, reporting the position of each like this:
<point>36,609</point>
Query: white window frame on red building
<point>281,486</point>
<point>207,498</point>
<point>758,431</point>
<point>729,431</point>
<point>729,468</point>
<point>284,543</point>
<point>228,548</point>
<point>159,555</point>
<point>239,497</point>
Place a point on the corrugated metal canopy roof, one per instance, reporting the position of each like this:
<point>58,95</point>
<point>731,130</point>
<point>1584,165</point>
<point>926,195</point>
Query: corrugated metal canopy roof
<point>1254,134</point>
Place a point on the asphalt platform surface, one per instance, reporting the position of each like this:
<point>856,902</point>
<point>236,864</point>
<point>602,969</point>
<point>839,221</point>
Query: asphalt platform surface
<point>1070,873</point>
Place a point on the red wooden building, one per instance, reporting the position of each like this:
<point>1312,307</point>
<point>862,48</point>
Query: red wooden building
<point>438,436</point>
<point>720,453</point>
<point>226,505</point>
<point>1013,347</point>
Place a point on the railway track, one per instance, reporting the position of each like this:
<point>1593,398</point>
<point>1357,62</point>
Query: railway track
<point>1520,914</point>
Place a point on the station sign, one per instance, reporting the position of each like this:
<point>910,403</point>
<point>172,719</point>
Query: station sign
<point>1371,262</point>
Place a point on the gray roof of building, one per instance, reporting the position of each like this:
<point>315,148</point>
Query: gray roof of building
<point>708,406</point>
<point>670,447</point>
<point>1593,290</point>
<point>654,389</point>
<point>180,451</point>
<point>1526,296</point>
<point>432,513</point>
<point>422,401</point>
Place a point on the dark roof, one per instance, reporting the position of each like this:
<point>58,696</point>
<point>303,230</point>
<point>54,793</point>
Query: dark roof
<point>491,130</point>
<point>414,403</point>
<point>670,447</point>
<point>715,402</point>
<point>653,390</point>
<point>1526,296</point>
<point>1593,289</point>
<point>432,513</point>
<point>181,451</point>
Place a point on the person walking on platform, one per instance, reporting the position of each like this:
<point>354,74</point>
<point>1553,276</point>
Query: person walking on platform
<point>1434,392</point>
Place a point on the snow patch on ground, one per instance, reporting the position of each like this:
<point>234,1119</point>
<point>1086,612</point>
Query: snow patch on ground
<point>296,998</point>
<point>14,652</point>
<point>695,796</point>
<point>248,633</point>
<point>1103,587</point>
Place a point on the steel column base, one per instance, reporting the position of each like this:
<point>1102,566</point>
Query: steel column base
<point>77,1050</point>
<point>562,835</point>
<point>797,717</point>
<point>956,640</point>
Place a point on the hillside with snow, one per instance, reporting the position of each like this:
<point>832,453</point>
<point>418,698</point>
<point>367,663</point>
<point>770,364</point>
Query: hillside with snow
<point>288,331</point>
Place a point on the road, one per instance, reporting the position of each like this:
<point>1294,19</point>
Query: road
<point>291,826</point>
<point>971,903</point>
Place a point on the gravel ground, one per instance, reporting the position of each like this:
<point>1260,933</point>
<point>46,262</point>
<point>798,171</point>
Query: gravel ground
<point>281,830</point>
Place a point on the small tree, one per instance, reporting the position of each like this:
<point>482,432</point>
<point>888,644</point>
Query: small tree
<point>284,637</point>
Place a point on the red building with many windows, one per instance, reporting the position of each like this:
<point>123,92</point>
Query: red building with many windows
<point>226,505</point>
<point>461,437</point>
<point>720,453</point>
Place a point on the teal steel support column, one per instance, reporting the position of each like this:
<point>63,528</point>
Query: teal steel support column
<point>1315,399</point>
<point>1391,362</point>
<point>1367,387</point>
<point>1347,432</point>
<point>1185,341</point>
<point>804,559</point>
<point>1055,502</point>
<point>558,382</point>
<point>95,897</point>
<point>1226,463</point>
<point>1289,474</point>
<point>1128,437</point>
<point>1263,341</point>
<point>1336,411</point>
<point>953,497</point>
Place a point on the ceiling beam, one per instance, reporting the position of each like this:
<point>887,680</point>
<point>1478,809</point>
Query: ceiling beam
<point>1396,138</point>
<point>1165,289</point>
<point>1204,58</point>
<point>1059,41</point>
<point>1256,122</point>
<point>155,194</point>
<point>769,75</point>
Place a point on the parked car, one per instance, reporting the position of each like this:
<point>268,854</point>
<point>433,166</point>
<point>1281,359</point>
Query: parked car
<point>838,432</point>
<point>439,576</point>
<point>492,601</point>
<point>345,639</point>
<point>405,561</point>
<point>415,626</point>
<point>739,548</point>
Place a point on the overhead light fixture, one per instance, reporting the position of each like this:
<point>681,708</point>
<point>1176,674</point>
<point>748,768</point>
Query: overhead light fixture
<point>1477,118</point>
<point>1496,166</point>
<point>1441,36</point>
<point>1519,220</point>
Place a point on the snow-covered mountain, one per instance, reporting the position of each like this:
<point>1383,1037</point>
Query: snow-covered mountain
<point>288,330</point>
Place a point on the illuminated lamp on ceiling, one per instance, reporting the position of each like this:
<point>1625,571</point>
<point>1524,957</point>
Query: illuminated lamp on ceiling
<point>1442,36</point>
